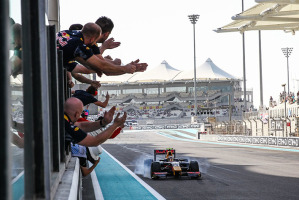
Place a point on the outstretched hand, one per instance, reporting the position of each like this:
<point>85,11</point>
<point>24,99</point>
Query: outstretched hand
<point>110,44</point>
<point>130,68</point>
<point>119,121</point>
<point>107,96</point>
<point>108,57</point>
<point>134,62</point>
<point>97,161</point>
<point>100,73</point>
<point>140,67</point>
<point>117,61</point>
<point>70,84</point>
<point>96,84</point>
<point>108,116</point>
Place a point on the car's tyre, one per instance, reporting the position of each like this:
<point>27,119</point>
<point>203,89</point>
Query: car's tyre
<point>155,167</point>
<point>193,167</point>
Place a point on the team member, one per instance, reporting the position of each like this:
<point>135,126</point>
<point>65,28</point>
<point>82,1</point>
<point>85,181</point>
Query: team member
<point>76,132</point>
<point>16,59</point>
<point>85,154</point>
<point>107,26</point>
<point>78,76</point>
<point>88,97</point>
<point>81,152</point>
<point>109,44</point>
<point>76,46</point>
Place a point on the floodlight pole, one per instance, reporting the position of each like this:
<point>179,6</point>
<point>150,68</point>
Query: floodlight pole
<point>193,18</point>
<point>244,67</point>
<point>285,106</point>
<point>287,52</point>
<point>261,72</point>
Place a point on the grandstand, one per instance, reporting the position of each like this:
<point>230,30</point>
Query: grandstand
<point>167,93</point>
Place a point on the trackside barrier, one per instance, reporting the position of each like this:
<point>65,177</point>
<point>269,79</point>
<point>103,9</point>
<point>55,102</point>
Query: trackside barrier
<point>169,126</point>
<point>271,141</point>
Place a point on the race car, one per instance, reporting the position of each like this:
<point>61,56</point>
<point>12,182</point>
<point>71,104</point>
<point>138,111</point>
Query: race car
<point>171,166</point>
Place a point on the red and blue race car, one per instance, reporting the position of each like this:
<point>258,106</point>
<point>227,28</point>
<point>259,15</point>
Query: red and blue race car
<point>171,166</point>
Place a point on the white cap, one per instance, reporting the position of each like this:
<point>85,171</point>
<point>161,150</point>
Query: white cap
<point>95,152</point>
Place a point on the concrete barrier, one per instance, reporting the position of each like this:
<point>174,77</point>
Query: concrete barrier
<point>260,140</point>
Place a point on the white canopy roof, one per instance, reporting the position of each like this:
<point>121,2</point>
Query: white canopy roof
<point>267,15</point>
<point>163,72</point>
<point>208,70</point>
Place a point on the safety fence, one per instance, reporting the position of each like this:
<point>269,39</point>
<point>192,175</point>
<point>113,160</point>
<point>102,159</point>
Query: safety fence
<point>272,141</point>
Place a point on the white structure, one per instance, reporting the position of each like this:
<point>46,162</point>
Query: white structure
<point>166,92</point>
<point>164,72</point>
<point>208,70</point>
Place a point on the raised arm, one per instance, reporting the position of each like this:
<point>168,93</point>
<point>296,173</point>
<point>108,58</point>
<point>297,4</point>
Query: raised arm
<point>86,171</point>
<point>103,104</point>
<point>140,67</point>
<point>90,140</point>
<point>109,44</point>
<point>92,126</point>
<point>83,79</point>
<point>99,65</point>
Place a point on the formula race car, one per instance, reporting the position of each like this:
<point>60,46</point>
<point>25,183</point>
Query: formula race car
<point>171,166</point>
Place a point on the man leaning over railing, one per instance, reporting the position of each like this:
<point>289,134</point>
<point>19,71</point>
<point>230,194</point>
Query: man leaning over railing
<point>76,132</point>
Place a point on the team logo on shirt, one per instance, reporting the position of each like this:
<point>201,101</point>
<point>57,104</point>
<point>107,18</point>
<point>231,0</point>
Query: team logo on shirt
<point>63,38</point>
<point>66,118</point>
<point>76,129</point>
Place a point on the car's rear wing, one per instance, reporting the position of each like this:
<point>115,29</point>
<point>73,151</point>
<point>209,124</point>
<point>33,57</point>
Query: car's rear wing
<point>164,151</point>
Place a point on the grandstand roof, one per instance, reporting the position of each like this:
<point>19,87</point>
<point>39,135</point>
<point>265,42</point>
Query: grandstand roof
<point>163,72</point>
<point>208,70</point>
<point>266,15</point>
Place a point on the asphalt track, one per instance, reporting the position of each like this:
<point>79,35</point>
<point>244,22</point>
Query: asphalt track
<point>229,171</point>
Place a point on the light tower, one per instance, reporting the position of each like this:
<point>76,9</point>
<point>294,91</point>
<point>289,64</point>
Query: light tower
<point>193,18</point>
<point>287,52</point>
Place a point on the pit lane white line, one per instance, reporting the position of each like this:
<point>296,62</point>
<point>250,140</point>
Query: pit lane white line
<point>95,182</point>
